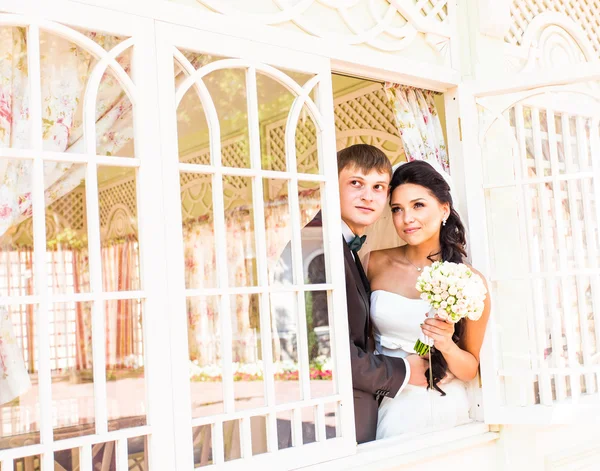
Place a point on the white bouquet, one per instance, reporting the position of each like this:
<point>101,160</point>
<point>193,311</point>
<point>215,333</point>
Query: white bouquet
<point>453,292</point>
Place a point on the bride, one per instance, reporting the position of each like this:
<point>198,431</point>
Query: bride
<point>424,218</point>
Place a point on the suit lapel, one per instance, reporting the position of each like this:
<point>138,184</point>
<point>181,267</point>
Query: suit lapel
<point>355,274</point>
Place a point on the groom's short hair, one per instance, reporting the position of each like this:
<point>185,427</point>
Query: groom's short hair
<point>365,158</point>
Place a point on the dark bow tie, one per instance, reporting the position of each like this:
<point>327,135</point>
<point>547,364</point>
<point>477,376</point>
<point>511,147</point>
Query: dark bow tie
<point>356,243</point>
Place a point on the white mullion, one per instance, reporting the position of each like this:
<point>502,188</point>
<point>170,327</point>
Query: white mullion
<point>246,438</point>
<point>39,242</point>
<point>536,323</point>
<point>95,260</point>
<point>547,243</point>
<point>320,428</point>
<point>224,299</point>
<point>190,292</point>
<point>338,419</point>
<point>272,438</point>
<point>577,246</point>
<point>297,427</point>
<point>203,169</point>
<point>7,464</point>
<point>562,371</point>
<point>562,256</point>
<point>261,256</point>
<point>297,260</point>
<point>546,179</point>
<point>70,157</point>
<point>264,410</point>
<point>85,457</point>
<point>218,450</point>
<point>587,225</point>
<point>121,458</point>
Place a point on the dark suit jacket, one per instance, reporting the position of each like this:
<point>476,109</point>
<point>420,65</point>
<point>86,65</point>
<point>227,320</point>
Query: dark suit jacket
<point>372,375</point>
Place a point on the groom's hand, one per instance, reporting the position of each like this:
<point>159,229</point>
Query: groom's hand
<point>418,367</point>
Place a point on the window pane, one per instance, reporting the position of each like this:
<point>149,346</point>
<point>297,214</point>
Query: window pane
<point>309,197</point>
<point>247,352</point>
<point>278,231</point>
<point>309,430</point>
<point>118,227</point>
<point>202,438</point>
<point>66,228</point>
<point>104,456</point>
<point>239,222</point>
<point>125,371</point>
<point>284,429</point>
<point>319,347</point>
<point>284,312</point>
<point>20,408</point>
<point>332,418</point>
<point>232,440</point>
<point>137,453</point>
<point>65,72</point>
<point>204,340</point>
<point>14,89</point>
<point>198,231</point>
<point>68,459</point>
<point>71,360</point>
<point>258,431</point>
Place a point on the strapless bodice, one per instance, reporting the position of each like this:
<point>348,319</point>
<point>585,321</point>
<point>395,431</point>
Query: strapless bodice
<point>396,322</point>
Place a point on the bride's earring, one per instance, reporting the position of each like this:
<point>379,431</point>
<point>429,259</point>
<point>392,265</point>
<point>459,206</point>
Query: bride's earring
<point>443,222</point>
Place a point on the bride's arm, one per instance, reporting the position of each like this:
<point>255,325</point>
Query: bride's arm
<point>462,358</point>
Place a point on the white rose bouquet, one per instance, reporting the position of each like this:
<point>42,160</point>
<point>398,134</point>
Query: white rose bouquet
<point>453,292</point>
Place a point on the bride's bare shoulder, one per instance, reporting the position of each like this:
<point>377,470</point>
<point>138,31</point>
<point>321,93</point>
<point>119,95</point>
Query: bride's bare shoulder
<point>380,257</point>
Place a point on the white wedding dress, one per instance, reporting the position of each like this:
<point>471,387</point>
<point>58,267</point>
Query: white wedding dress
<point>396,321</point>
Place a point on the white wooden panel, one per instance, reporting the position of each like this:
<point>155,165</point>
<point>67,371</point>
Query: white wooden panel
<point>558,220</point>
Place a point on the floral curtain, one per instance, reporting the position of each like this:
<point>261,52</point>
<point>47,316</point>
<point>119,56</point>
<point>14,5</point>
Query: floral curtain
<point>418,123</point>
<point>65,69</point>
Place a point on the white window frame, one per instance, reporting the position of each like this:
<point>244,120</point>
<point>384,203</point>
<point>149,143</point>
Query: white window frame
<point>254,55</point>
<point>549,412</point>
<point>53,17</point>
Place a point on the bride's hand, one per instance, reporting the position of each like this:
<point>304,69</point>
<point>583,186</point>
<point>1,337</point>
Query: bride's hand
<point>440,332</point>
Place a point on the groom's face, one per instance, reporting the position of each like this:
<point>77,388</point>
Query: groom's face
<point>363,197</point>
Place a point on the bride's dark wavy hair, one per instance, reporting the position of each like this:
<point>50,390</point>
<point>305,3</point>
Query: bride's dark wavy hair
<point>452,240</point>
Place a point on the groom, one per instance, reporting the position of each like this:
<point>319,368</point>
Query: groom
<point>364,174</point>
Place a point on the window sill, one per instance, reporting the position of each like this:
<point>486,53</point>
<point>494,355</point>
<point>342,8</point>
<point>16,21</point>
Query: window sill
<point>392,452</point>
